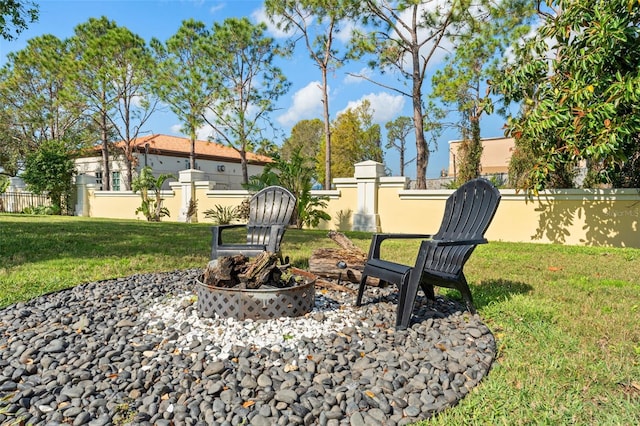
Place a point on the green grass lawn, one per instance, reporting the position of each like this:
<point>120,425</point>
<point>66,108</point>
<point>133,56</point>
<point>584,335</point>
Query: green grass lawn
<point>566,318</point>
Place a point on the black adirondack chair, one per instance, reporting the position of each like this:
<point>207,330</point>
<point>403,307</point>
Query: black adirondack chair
<point>441,257</point>
<point>270,211</point>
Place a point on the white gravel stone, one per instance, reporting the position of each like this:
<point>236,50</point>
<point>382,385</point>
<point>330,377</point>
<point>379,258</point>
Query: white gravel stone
<point>277,334</point>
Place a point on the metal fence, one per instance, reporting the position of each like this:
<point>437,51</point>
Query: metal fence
<point>16,202</point>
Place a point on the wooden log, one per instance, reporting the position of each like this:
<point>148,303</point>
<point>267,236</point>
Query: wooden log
<point>260,270</point>
<point>319,282</point>
<point>232,271</point>
<point>224,271</point>
<point>327,262</point>
<point>344,242</point>
<point>324,263</point>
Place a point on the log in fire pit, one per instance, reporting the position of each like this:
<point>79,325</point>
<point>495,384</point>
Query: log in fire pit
<point>233,287</point>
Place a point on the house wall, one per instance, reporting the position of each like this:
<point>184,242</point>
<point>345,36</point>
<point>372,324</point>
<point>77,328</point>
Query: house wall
<point>595,217</point>
<point>225,174</point>
<point>496,155</point>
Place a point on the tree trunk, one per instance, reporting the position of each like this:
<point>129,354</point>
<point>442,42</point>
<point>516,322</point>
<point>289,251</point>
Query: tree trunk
<point>106,175</point>
<point>344,242</point>
<point>327,130</point>
<point>243,166</point>
<point>422,150</point>
<point>324,263</point>
<point>261,271</point>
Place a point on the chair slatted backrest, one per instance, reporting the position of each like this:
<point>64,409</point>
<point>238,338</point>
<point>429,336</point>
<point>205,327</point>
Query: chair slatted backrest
<point>273,205</point>
<point>467,215</point>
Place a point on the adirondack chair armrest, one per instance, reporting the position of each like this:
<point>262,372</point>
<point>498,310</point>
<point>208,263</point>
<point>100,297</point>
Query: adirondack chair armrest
<point>216,230</point>
<point>377,239</point>
<point>443,243</point>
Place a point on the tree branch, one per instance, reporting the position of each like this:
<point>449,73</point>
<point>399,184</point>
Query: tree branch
<point>377,83</point>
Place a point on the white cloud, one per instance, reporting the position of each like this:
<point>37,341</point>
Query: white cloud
<point>346,29</point>
<point>307,104</point>
<point>203,133</point>
<point>385,106</point>
<point>216,8</point>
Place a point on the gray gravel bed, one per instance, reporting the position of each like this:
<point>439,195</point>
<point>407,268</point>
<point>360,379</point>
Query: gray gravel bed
<point>134,351</point>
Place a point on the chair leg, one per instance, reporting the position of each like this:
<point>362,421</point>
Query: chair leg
<point>363,283</point>
<point>464,290</point>
<point>409,291</point>
<point>428,289</point>
<point>403,289</point>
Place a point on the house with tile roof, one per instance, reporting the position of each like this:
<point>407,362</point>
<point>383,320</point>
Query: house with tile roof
<point>170,154</point>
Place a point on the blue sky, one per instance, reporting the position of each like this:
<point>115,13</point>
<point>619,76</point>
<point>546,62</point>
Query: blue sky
<point>162,18</point>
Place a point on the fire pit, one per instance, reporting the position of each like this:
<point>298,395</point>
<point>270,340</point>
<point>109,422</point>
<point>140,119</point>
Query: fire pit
<point>292,298</point>
<point>260,303</point>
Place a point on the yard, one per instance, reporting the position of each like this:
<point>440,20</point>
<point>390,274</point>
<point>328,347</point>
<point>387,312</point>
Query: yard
<point>565,317</point>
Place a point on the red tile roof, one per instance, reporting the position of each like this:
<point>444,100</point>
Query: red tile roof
<point>181,147</point>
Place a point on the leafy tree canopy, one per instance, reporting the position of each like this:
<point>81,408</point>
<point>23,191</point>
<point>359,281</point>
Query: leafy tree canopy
<point>183,76</point>
<point>317,24</point>
<point>15,16</point>
<point>247,84</point>
<point>403,38</point>
<point>491,27</point>
<point>578,83</point>
<point>355,138</point>
<point>50,169</point>
<point>397,132</point>
<point>306,137</point>
<point>38,102</point>
<point>112,71</point>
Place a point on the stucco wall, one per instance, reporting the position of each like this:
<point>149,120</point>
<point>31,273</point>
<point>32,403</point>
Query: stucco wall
<point>602,217</point>
<point>341,204</point>
<point>114,204</point>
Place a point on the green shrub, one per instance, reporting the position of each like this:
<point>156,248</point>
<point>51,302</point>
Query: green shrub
<point>223,215</point>
<point>42,210</point>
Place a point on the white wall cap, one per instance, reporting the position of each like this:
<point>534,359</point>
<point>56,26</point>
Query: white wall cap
<point>190,175</point>
<point>369,169</point>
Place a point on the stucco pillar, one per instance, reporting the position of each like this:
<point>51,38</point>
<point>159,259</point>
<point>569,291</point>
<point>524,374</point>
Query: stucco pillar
<point>367,175</point>
<point>187,180</point>
<point>82,194</point>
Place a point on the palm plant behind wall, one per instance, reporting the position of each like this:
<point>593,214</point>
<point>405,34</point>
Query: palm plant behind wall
<point>147,183</point>
<point>297,174</point>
